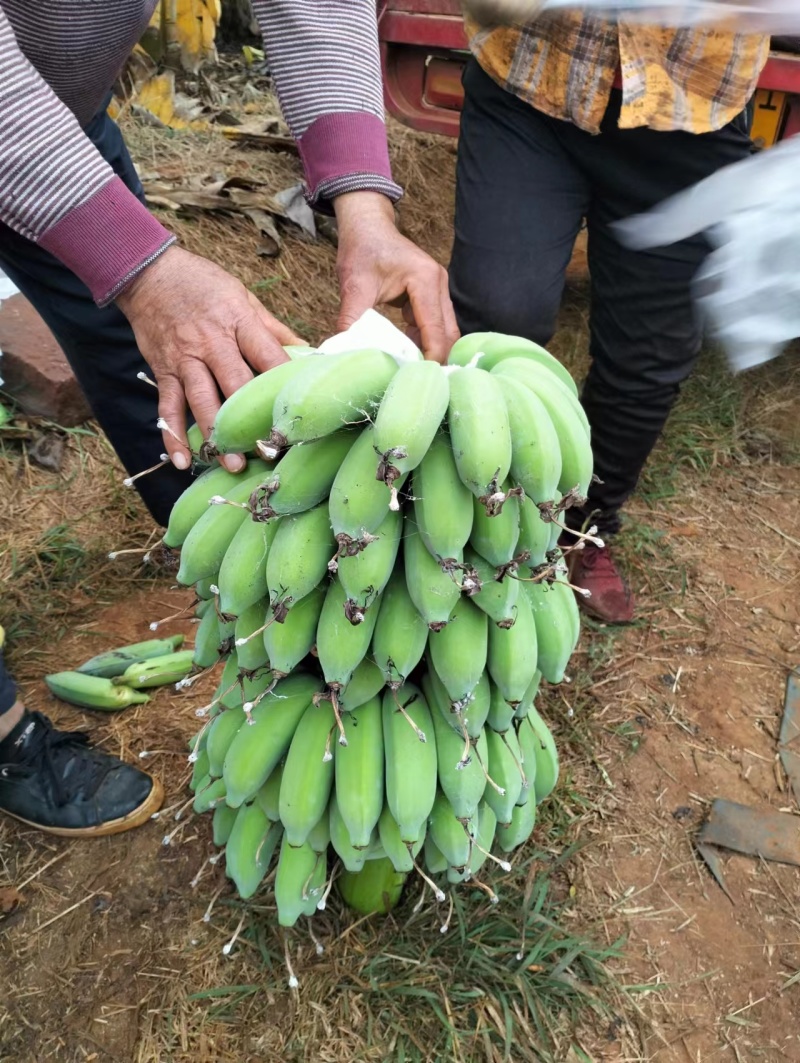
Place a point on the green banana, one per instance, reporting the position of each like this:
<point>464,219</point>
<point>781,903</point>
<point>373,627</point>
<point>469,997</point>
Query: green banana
<point>242,578</point>
<point>554,526</point>
<point>358,500</point>
<point>268,797</point>
<point>251,844</point>
<point>534,533</point>
<point>114,662</point>
<point>364,575</point>
<point>297,882</point>
<point>543,749</point>
<point>471,717</point>
<point>208,639</point>
<point>304,476</point>
<point>204,549</point>
<point>199,771</point>
<point>289,642</point>
<point>333,391</point>
<point>491,348</point>
<point>515,833</point>
<point>480,434</point>
<point>512,657</point>
<point>246,415</point>
<point>505,770</point>
<point>402,438</point>
<point>501,713</point>
<point>230,685</point>
<point>535,448</point>
<point>342,645</point>
<point>307,773</point>
<point>401,853</point>
<point>462,781</point>
<point>411,768</point>
<point>298,558</point>
<point>521,710</point>
<point>367,681</point>
<point>157,671</point>
<point>435,862</point>
<point>194,502</point>
<point>433,591</point>
<point>487,826</point>
<point>257,749</point>
<point>375,889</point>
<point>400,635</point>
<point>551,608</point>
<point>352,858</point>
<point>221,732</point>
<point>209,793</point>
<point>451,836</point>
<point>458,652</point>
<point>359,770</point>
<point>222,823</point>
<point>442,504</point>
<point>495,537</point>
<point>203,588</point>
<point>92,691</point>
<point>319,837</point>
<point>567,416</point>
<point>202,607</point>
<point>251,653</point>
<point>497,597</point>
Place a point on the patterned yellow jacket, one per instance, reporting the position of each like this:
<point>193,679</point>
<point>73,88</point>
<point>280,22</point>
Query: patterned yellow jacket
<point>566,65</point>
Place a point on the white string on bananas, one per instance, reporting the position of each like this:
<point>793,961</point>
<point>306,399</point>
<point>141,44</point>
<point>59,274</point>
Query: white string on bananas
<point>383,590</point>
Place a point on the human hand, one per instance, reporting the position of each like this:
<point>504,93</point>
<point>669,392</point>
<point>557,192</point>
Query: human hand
<point>202,333</point>
<point>377,265</point>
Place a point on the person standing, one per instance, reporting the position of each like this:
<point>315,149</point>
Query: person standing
<point>571,117</point>
<point>122,298</point>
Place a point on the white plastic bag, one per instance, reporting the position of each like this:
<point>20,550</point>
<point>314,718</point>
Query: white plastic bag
<point>373,330</point>
<point>761,16</point>
<point>748,289</point>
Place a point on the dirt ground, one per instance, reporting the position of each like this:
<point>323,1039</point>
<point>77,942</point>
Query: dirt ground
<point>107,956</point>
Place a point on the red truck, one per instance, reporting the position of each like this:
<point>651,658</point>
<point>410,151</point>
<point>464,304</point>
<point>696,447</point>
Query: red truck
<point>424,50</point>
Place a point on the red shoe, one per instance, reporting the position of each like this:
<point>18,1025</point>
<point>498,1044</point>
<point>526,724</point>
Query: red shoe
<point>611,600</point>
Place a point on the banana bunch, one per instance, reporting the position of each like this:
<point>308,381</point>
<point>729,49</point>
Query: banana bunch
<point>382,592</point>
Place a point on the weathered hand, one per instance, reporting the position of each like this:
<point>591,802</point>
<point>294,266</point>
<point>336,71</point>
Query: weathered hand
<point>378,265</point>
<point>203,334</point>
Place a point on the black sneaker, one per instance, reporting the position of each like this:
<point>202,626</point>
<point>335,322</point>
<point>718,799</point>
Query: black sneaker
<point>56,781</point>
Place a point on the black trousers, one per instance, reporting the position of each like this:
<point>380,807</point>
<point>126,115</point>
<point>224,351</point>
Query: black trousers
<point>525,183</point>
<point>99,344</point>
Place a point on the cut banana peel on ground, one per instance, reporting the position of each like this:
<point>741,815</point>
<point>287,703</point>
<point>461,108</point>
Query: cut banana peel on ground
<point>375,693</point>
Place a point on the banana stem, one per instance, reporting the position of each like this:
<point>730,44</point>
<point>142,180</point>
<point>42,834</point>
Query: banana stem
<point>437,893</point>
<point>211,903</point>
<point>226,948</point>
<point>419,733</point>
<point>338,716</point>
<point>488,777</point>
<point>494,899</point>
<point>293,981</point>
<point>162,424</point>
<point>141,375</point>
<point>129,481</point>
<point>446,924</point>
<point>318,946</point>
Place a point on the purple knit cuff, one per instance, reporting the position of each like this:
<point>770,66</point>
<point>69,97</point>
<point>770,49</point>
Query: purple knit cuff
<point>342,146</point>
<point>107,240</point>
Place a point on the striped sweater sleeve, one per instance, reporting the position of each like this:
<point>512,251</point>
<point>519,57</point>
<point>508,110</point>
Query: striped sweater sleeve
<point>324,57</point>
<point>57,190</point>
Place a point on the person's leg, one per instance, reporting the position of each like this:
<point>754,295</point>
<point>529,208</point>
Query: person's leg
<point>99,344</point>
<point>56,781</point>
<point>520,201</point>
<point>645,336</point>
